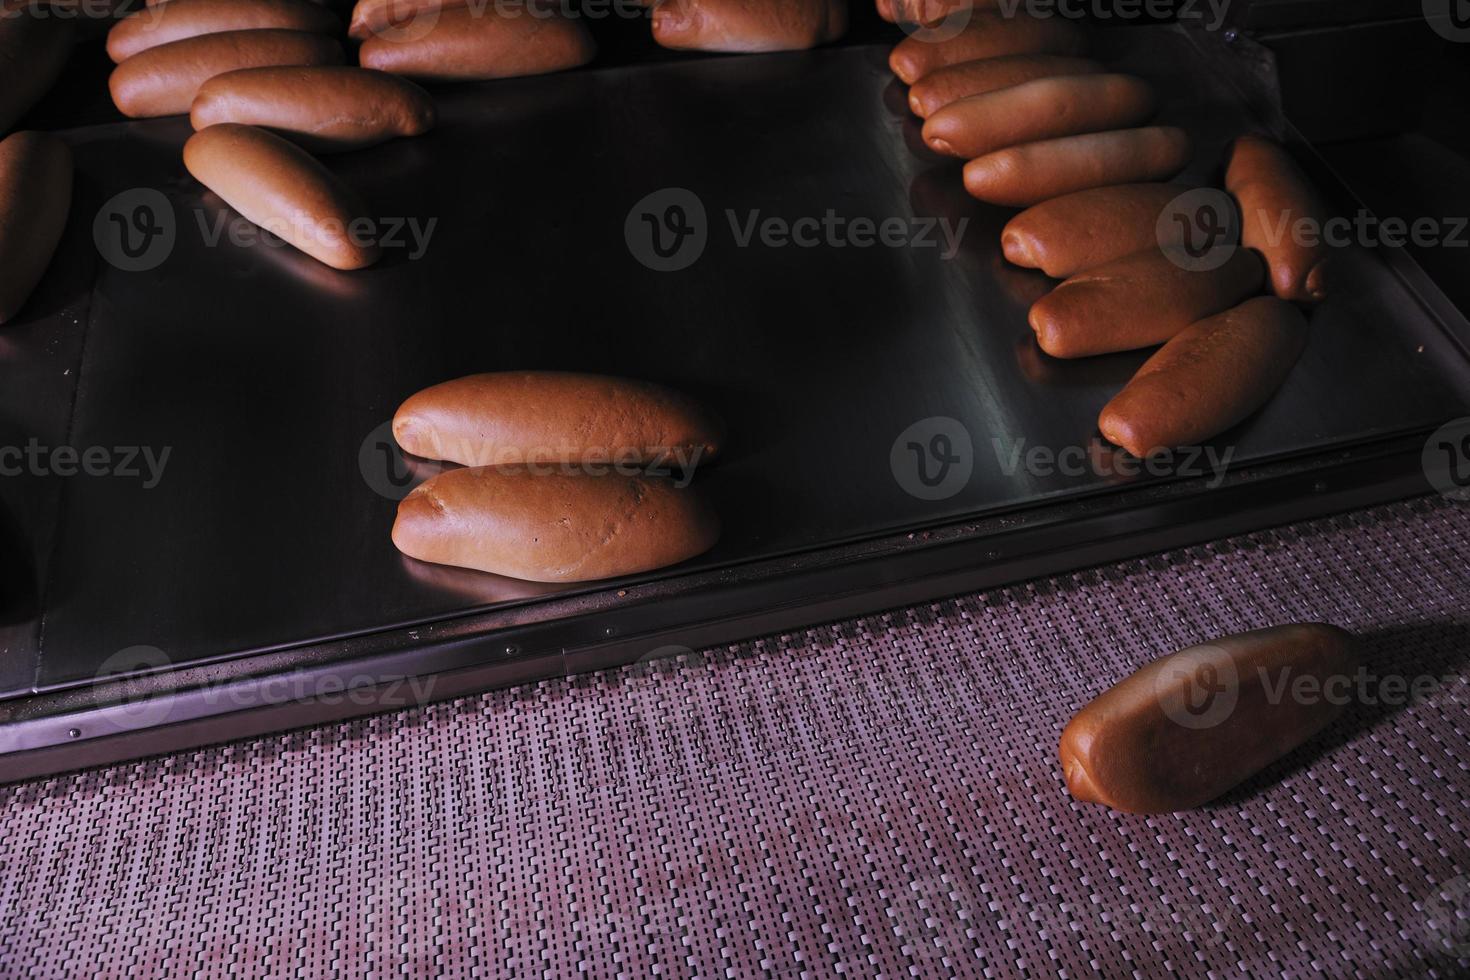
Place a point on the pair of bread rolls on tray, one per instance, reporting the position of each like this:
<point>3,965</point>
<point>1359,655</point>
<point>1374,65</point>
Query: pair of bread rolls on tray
<point>568,477</point>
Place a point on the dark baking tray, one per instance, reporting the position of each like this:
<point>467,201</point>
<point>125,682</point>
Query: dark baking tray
<point>257,576</point>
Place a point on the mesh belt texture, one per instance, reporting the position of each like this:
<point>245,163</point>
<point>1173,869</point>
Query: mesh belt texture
<point>878,798</point>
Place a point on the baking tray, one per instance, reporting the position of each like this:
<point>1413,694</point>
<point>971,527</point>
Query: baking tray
<point>256,580</point>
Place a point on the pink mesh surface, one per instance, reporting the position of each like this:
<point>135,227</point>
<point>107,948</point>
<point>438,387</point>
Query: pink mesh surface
<point>878,798</point>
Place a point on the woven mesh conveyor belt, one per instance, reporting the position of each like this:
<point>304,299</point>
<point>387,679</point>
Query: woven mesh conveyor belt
<point>876,798</point>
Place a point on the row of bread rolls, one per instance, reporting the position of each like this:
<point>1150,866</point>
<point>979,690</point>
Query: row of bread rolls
<point>1046,129</point>
<point>566,477</point>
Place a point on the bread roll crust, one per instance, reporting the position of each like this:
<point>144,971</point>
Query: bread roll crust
<point>175,20</point>
<point>163,81</point>
<point>283,189</point>
<point>1274,195</point>
<point>469,45</point>
<point>1139,748</point>
<point>1207,379</point>
<point>327,108</point>
<point>1022,176</point>
<point>748,26</point>
<point>1042,109</point>
<point>35,199</point>
<point>945,85</point>
<point>1076,232</point>
<point>987,35</point>
<point>1138,301</point>
<point>556,417</point>
<point>551,526</point>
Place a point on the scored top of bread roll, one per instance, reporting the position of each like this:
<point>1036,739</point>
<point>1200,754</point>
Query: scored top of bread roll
<point>553,527</point>
<point>556,417</point>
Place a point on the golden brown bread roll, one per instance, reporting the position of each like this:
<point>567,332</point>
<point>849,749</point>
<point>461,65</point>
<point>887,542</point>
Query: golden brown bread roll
<point>163,81</point>
<point>175,20</point>
<point>326,109</point>
<point>1208,378</point>
<point>944,85</point>
<point>555,417</point>
<point>1138,301</point>
<point>1192,725</point>
<point>1274,195</point>
<point>988,35</point>
<point>1076,232</point>
<point>548,526</point>
<point>1046,108</point>
<point>35,198</point>
<point>465,44</point>
<point>747,26</point>
<point>33,51</point>
<point>1021,176</point>
<point>280,187</point>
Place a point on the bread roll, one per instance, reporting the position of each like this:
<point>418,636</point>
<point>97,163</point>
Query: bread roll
<point>553,526</point>
<point>326,109</point>
<point>1022,176</point>
<point>163,81</point>
<point>987,35</point>
<point>1274,195</point>
<point>1076,232</point>
<point>944,85</point>
<point>1046,108</point>
<point>280,187</point>
<point>33,51</point>
<point>1138,301</point>
<point>1192,725</point>
<point>747,26</point>
<point>1207,379</point>
<point>175,20</point>
<point>35,198</point>
<point>553,417</point>
<point>371,18</point>
<point>465,45</point>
